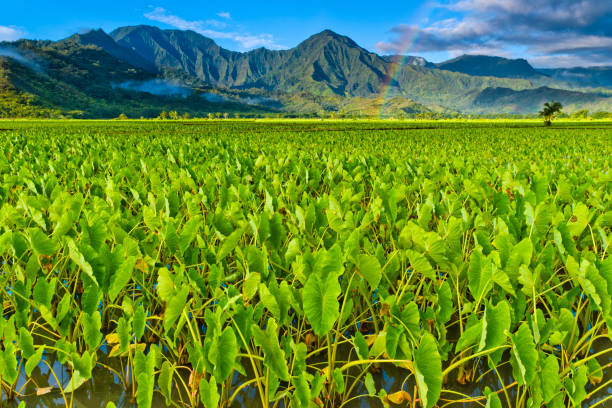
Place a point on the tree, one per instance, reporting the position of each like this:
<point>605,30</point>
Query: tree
<point>550,111</point>
<point>122,116</point>
<point>173,115</point>
<point>163,115</point>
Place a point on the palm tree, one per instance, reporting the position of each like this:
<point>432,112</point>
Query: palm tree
<point>550,111</point>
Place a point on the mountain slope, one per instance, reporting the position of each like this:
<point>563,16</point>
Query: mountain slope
<point>483,65</point>
<point>580,76</point>
<point>85,81</point>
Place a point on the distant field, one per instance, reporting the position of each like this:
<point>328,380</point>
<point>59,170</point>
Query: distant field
<point>306,263</point>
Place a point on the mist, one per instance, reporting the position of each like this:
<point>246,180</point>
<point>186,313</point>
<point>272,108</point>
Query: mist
<point>19,57</point>
<point>158,87</point>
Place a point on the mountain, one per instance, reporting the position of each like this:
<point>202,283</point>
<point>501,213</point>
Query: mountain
<point>483,65</point>
<point>141,70</point>
<point>531,100</point>
<point>581,76</point>
<point>67,78</point>
<point>102,40</point>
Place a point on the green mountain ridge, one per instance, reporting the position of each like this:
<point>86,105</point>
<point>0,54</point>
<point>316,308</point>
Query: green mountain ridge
<point>138,69</point>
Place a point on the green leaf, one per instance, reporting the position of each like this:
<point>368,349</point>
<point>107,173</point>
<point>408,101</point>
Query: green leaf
<point>579,220</point>
<point>121,277</point>
<point>338,380</point>
<point>41,244</point>
<point>524,355</point>
<point>361,346</point>
<point>33,361</point>
<point>549,378</point>
<point>223,353</point>
<point>175,307</point>
<point>302,391</point>
<point>144,370</point>
<point>320,294</point>
<point>495,323</point>
<point>164,381</point>
<point>78,258</point>
<point>229,244</point>
<point>370,269</point>
<point>274,357</point>
<point>428,368</point>
<point>91,329</point>
<point>26,343</point>
<point>420,264</point>
<point>480,275</point>
<point>370,384</point>
<point>209,395</point>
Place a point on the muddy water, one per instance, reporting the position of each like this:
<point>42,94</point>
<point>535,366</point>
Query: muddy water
<point>105,386</point>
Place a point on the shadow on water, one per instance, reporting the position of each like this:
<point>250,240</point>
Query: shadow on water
<point>105,386</point>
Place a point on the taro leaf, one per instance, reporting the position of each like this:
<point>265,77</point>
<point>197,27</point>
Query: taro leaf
<point>410,319</point>
<point>138,322</point>
<point>444,309</point>
<point>392,339</point>
<point>171,238</point>
<point>165,284</point>
<point>33,361</point>
<point>361,346</point>
<point>8,363</point>
<point>370,384</point>
<point>320,294</point>
<point>420,264</point>
<point>144,370</point>
<point>549,378</point>
<point>469,337</point>
<point>209,395</point>
<point>338,380</point>
<point>274,357</point>
<point>164,381</point>
<point>229,244</point>
<point>90,299</point>
<point>493,400</point>
<point>121,277</point>
<point>370,269</point>
<point>300,351</point>
<point>480,275</point>
<point>222,354</point>
<point>175,307</point>
<point>78,258</point>
<point>91,329</point>
<point>579,220</point>
<point>123,333</point>
<point>26,343</point>
<point>575,385</point>
<point>251,283</point>
<point>428,367</point>
<point>495,322</point>
<point>302,391</point>
<point>524,355</point>
<point>40,243</point>
<point>269,301</point>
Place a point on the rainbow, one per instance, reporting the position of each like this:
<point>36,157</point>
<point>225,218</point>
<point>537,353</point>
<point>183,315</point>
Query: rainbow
<point>406,45</point>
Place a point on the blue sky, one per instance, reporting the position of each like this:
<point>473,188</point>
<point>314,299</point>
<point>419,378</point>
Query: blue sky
<point>546,32</point>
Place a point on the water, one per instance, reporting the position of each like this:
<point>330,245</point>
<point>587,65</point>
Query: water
<point>106,386</point>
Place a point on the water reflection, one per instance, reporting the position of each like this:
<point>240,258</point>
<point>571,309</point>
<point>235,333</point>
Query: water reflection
<point>106,386</point>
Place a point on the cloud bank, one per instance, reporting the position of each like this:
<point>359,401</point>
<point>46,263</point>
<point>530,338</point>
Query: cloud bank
<point>213,29</point>
<point>547,32</point>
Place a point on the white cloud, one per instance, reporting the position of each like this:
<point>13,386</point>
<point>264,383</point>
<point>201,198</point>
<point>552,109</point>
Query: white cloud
<point>577,31</point>
<point>225,14</point>
<point>245,40</point>
<point>8,33</point>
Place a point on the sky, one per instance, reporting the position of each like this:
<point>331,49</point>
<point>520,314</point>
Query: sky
<point>548,33</point>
